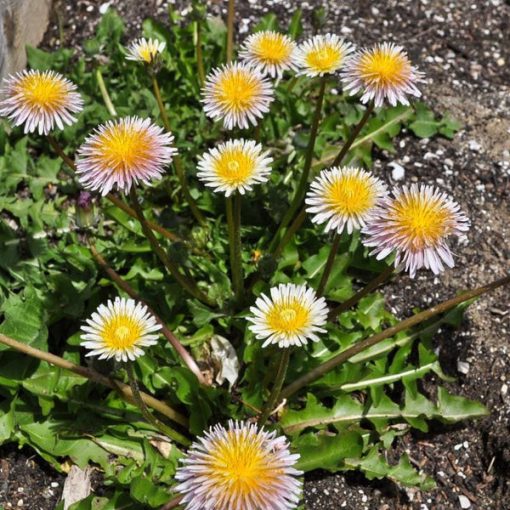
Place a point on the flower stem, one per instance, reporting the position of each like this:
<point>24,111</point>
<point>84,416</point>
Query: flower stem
<point>274,397</point>
<point>131,212</point>
<point>301,189</point>
<point>172,339</point>
<point>325,367</point>
<point>354,133</point>
<point>165,429</point>
<point>188,285</point>
<point>179,169</point>
<point>172,503</point>
<point>230,30</point>
<point>329,264</point>
<point>289,234</point>
<point>123,389</point>
<point>199,53</point>
<point>60,152</point>
<point>112,198</point>
<point>104,92</point>
<point>159,100</point>
<point>369,287</point>
<point>233,205</point>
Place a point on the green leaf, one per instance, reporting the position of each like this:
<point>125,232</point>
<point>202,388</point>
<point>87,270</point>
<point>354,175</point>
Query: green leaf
<point>145,491</point>
<point>39,59</point>
<point>374,466</point>
<point>51,444</point>
<point>454,408</point>
<point>24,319</point>
<point>201,314</point>
<point>296,26</point>
<point>371,311</point>
<point>320,451</point>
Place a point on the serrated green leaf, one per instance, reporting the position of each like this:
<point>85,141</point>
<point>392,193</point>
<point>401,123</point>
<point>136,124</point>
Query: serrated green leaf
<point>321,451</point>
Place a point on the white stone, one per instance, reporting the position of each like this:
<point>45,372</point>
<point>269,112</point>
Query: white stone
<point>463,367</point>
<point>474,146</point>
<point>464,502</point>
<point>398,172</point>
<point>104,7</point>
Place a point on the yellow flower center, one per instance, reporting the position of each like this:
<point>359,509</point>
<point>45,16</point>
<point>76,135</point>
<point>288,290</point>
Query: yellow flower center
<point>326,58</point>
<point>272,48</point>
<point>423,221</point>
<point>350,195</point>
<point>237,90</point>
<point>123,147</point>
<point>234,166</point>
<point>288,317</point>
<point>42,91</point>
<point>384,67</point>
<point>148,51</point>
<point>121,332</point>
<point>241,466</point>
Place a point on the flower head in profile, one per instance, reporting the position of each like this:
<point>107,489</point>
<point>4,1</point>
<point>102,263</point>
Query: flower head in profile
<point>270,52</point>
<point>145,50</point>
<point>382,73</point>
<point>119,330</point>
<point>234,166</point>
<point>40,100</point>
<point>415,225</point>
<point>292,315</point>
<point>122,153</point>
<point>239,468</point>
<point>322,54</point>
<point>238,94</point>
<point>345,198</point>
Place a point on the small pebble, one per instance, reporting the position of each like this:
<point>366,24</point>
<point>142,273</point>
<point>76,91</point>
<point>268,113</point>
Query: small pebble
<point>463,367</point>
<point>398,172</point>
<point>474,146</point>
<point>464,502</point>
<point>104,7</point>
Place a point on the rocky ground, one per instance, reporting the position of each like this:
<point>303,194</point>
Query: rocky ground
<point>463,49</point>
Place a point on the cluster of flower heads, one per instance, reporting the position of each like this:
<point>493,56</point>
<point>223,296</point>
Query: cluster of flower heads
<point>240,93</point>
<point>241,466</point>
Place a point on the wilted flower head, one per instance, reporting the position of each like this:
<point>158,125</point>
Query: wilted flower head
<point>382,73</point>
<point>322,54</point>
<point>234,166</point>
<point>39,100</point>
<point>145,50</point>
<point>415,224</point>
<point>345,198</point>
<point>270,52</point>
<point>291,316</point>
<point>237,94</point>
<point>122,153</point>
<point>239,468</point>
<point>119,330</point>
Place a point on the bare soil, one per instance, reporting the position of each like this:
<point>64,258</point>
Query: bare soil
<point>463,48</point>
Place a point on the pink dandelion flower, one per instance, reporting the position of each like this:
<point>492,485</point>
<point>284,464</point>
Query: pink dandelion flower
<point>239,468</point>
<point>122,153</point>
<point>415,224</point>
<point>322,54</point>
<point>292,315</point>
<point>270,52</point>
<point>39,100</point>
<point>238,94</point>
<point>344,198</point>
<point>119,330</point>
<point>382,73</point>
